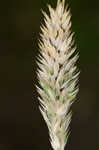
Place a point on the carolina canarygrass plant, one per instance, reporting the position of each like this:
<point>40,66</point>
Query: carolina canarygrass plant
<point>57,73</point>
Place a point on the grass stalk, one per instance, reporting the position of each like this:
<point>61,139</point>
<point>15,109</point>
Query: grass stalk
<point>57,73</point>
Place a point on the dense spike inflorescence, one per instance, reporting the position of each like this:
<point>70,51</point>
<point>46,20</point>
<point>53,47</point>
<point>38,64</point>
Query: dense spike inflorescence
<point>57,73</point>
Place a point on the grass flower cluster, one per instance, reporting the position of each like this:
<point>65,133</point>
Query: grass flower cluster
<point>57,73</point>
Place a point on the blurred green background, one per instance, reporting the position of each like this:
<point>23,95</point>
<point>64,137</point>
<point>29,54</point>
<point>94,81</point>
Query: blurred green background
<point>21,124</point>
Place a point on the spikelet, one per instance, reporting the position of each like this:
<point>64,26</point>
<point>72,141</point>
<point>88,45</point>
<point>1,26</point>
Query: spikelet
<point>57,73</point>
